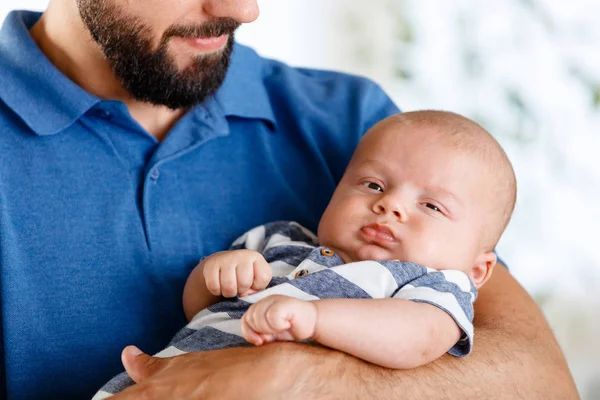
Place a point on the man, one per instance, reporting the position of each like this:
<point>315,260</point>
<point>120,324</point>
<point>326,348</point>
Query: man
<point>131,135</point>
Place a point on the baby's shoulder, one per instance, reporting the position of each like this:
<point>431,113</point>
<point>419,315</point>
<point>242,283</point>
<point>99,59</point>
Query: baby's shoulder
<point>273,234</point>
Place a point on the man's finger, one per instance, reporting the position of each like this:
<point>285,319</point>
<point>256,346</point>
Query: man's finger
<point>140,365</point>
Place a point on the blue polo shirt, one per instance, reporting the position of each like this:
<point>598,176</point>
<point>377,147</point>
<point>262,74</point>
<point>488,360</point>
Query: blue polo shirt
<point>100,224</point>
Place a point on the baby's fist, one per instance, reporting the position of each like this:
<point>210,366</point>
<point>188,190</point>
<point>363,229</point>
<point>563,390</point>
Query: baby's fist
<point>279,318</point>
<point>236,272</point>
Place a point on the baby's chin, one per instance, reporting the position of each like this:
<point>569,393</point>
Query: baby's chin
<point>373,253</point>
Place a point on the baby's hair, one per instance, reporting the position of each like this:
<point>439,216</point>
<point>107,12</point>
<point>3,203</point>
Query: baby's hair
<point>463,134</point>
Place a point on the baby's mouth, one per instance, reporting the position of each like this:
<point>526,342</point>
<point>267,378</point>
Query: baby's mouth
<point>378,233</point>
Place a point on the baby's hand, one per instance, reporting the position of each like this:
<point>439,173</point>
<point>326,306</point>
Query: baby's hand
<point>279,318</point>
<point>236,272</point>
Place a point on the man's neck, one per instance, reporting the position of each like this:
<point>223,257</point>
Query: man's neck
<point>62,37</point>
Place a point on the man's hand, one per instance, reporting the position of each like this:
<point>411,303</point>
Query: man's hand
<point>237,272</point>
<point>249,373</point>
<point>279,318</point>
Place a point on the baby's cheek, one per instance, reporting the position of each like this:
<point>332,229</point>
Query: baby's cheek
<point>335,226</point>
<point>423,253</point>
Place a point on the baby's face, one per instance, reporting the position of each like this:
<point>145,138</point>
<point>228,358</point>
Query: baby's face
<point>404,196</point>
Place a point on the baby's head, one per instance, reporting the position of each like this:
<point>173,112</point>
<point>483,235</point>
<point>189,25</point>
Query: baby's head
<point>429,187</point>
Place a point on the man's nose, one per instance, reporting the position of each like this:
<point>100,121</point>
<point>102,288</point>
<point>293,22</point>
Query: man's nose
<point>242,11</point>
<point>390,205</point>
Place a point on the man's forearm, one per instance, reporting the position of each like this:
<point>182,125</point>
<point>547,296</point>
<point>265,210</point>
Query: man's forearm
<point>515,356</point>
<point>519,371</point>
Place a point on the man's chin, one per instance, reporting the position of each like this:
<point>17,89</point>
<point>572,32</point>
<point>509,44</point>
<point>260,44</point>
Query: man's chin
<point>178,87</point>
<point>186,60</point>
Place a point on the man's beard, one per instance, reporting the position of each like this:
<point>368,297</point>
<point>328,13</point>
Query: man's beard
<point>151,75</point>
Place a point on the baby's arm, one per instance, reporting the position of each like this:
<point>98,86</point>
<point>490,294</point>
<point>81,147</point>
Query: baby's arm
<point>196,296</point>
<point>224,274</point>
<point>393,333</point>
<point>218,275</point>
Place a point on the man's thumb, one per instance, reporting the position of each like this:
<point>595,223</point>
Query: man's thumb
<point>140,365</point>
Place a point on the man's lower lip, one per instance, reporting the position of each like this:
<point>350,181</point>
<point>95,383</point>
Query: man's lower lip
<point>207,44</point>
<point>376,235</point>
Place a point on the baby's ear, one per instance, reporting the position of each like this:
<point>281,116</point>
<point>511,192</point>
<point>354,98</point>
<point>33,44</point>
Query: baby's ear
<point>482,269</point>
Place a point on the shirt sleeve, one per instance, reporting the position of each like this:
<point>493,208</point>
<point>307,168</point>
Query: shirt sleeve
<point>269,235</point>
<point>377,106</point>
<point>453,292</point>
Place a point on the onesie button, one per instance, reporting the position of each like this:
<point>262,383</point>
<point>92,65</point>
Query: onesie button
<point>301,273</point>
<point>326,252</point>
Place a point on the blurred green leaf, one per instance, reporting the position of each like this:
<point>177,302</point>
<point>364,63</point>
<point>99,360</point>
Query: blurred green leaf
<point>596,96</point>
<point>403,74</point>
<point>515,99</point>
<point>404,32</point>
<point>542,298</point>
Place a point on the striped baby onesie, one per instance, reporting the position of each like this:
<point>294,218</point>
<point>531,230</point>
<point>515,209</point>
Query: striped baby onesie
<point>303,269</point>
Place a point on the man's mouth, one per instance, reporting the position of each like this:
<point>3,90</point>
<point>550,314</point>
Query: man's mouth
<point>207,44</point>
<point>378,233</point>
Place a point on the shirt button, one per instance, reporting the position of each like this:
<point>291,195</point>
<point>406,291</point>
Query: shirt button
<point>154,174</point>
<point>105,114</point>
<point>301,273</point>
<point>326,252</point>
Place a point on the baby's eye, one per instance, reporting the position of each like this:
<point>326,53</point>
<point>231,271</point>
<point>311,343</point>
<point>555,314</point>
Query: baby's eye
<point>373,186</point>
<point>433,207</point>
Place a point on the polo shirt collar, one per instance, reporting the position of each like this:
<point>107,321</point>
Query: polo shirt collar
<point>49,102</point>
<point>31,85</point>
<point>243,93</point>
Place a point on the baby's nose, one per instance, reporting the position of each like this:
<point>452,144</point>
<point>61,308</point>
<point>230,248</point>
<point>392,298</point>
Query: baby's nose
<point>392,207</point>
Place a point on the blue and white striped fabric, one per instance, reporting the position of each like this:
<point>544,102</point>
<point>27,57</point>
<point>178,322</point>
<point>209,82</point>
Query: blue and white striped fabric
<point>306,271</point>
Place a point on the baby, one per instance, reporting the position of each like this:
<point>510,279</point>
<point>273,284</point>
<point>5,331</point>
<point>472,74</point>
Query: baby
<point>403,246</point>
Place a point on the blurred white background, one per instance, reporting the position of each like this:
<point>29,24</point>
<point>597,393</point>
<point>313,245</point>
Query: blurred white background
<point>529,71</point>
